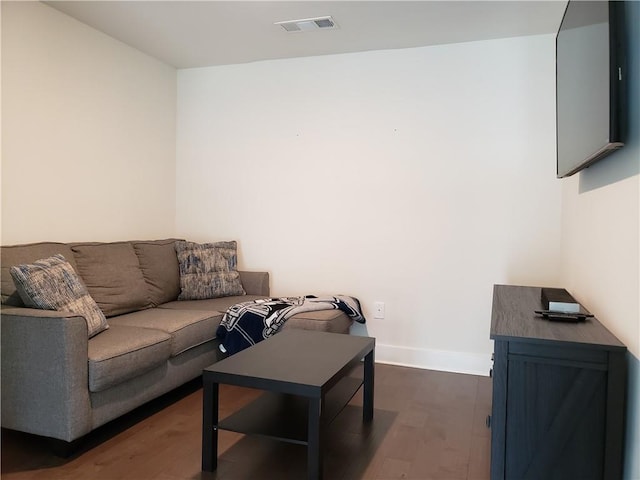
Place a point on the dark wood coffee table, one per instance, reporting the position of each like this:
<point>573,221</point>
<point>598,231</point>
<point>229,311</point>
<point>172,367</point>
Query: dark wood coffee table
<point>305,378</point>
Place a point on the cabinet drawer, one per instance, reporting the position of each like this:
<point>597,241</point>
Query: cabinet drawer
<point>574,354</point>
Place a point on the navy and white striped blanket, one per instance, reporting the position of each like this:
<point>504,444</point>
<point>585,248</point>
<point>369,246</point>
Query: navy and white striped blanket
<point>246,323</point>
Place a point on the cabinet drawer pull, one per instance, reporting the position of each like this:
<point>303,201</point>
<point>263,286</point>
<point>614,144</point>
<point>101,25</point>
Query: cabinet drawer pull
<point>488,421</point>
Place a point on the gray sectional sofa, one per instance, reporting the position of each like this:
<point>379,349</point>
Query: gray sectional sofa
<point>58,383</point>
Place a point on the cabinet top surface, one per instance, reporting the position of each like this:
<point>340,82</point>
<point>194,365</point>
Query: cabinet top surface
<point>513,318</point>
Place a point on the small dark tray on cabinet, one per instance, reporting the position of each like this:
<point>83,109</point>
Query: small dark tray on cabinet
<point>563,316</point>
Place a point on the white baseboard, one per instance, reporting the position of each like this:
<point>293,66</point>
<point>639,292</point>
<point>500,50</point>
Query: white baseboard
<point>443,360</point>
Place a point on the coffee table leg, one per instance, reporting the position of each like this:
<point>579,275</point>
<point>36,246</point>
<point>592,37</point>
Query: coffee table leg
<point>369,374</point>
<point>209,426</point>
<point>314,445</point>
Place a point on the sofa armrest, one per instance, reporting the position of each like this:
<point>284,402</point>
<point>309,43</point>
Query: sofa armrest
<point>255,283</point>
<point>44,374</point>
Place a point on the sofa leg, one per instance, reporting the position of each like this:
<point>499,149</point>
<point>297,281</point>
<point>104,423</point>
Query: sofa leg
<point>63,449</point>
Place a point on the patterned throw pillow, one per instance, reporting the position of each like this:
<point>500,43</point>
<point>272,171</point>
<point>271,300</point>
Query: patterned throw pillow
<point>208,270</point>
<point>52,284</point>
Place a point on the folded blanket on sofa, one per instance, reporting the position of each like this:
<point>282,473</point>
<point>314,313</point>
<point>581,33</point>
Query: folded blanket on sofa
<point>247,323</point>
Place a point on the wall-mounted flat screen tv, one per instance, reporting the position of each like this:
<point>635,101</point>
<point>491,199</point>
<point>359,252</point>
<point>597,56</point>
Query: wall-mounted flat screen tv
<point>590,79</point>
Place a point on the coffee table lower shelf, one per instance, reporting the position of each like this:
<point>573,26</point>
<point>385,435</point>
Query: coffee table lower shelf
<point>284,417</point>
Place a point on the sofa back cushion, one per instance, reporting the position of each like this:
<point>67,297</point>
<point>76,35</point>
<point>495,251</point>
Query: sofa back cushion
<point>14,255</point>
<point>112,274</point>
<point>159,265</point>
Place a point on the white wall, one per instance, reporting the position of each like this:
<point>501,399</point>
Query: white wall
<point>88,133</point>
<point>600,247</point>
<point>601,240</point>
<point>415,177</point>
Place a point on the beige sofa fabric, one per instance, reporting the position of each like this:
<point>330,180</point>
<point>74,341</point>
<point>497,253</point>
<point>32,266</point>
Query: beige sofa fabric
<point>122,353</point>
<point>334,321</point>
<point>159,265</point>
<point>44,373</point>
<point>187,329</point>
<point>111,272</point>
<point>211,304</point>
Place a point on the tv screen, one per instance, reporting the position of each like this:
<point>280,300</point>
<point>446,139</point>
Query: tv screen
<point>589,84</point>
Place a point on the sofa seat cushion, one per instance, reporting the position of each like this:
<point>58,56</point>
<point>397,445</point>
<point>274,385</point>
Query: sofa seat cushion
<point>187,328</point>
<point>334,321</point>
<point>111,272</point>
<point>221,304</point>
<point>122,353</point>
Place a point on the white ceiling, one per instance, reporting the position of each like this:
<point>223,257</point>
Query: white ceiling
<point>204,33</point>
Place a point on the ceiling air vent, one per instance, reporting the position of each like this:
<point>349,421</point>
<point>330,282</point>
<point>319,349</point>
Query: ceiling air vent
<point>307,24</point>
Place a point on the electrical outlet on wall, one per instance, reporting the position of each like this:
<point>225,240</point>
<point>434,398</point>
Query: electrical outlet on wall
<point>378,310</point>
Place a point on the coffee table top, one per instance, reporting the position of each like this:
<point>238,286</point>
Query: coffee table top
<point>295,361</point>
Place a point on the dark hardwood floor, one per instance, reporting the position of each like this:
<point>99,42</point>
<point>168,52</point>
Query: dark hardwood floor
<point>427,425</point>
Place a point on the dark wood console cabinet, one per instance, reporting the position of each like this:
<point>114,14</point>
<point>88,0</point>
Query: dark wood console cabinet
<point>558,394</point>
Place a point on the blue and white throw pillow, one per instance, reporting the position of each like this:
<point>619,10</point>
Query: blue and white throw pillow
<point>208,270</point>
<point>52,284</point>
